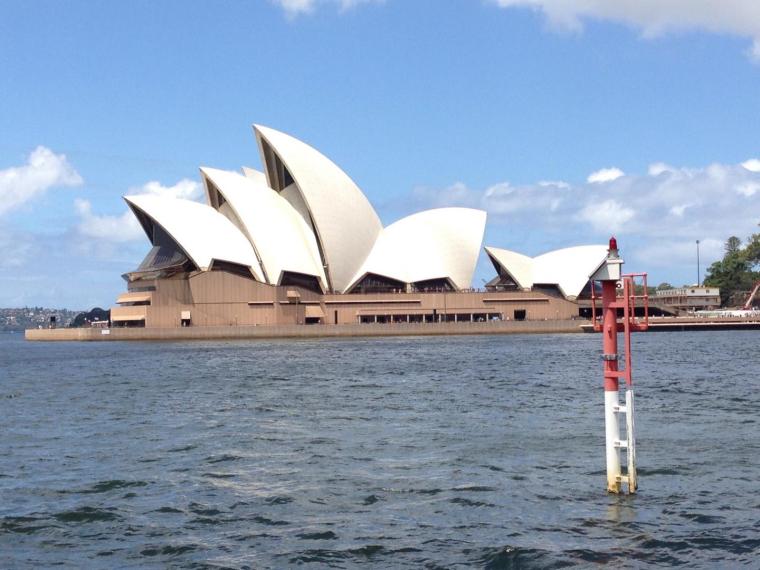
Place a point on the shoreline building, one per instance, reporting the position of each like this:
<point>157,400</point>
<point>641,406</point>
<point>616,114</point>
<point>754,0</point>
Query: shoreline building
<point>690,299</point>
<point>299,243</point>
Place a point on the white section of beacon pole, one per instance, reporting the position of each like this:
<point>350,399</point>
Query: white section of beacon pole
<point>612,437</point>
<point>631,436</point>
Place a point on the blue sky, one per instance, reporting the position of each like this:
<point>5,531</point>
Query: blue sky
<point>507,105</point>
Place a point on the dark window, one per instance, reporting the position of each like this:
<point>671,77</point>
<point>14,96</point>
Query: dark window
<point>433,285</point>
<point>293,279</point>
<point>215,196</point>
<point>372,283</point>
<point>503,280</point>
<point>234,268</point>
<point>520,314</point>
<point>164,253</point>
<point>129,324</point>
<point>279,176</point>
<point>548,289</point>
<point>287,178</point>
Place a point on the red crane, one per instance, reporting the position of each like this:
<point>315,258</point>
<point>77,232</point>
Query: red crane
<point>748,304</point>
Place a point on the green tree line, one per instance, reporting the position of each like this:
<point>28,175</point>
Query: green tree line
<point>738,271</point>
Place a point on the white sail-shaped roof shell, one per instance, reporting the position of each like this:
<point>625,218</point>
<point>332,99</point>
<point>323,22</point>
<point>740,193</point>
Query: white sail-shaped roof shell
<point>345,224</point>
<point>443,243</point>
<point>518,266</point>
<point>279,235</point>
<point>203,233</point>
<point>569,268</point>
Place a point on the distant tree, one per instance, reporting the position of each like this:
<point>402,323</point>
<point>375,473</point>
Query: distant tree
<point>733,245</point>
<point>752,249</point>
<point>84,319</point>
<point>663,286</point>
<point>735,273</point>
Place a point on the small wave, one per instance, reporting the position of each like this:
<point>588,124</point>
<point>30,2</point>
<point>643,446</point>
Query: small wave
<point>591,556</point>
<point>86,515</point>
<point>319,556</point>
<point>426,491</point>
<point>169,510</point>
<point>277,500</point>
<point>109,485</point>
<point>222,458</point>
<point>199,509</point>
<point>475,488</point>
<point>469,503</point>
<point>169,550</point>
<point>370,500</point>
<point>22,525</point>
<point>703,519</point>
<point>506,557</point>
<point>327,535</point>
<point>367,551</point>
<point>269,522</point>
<point>106,553</point>
<point>219,475</point>
<point>654,544</point>
<point>643,471</point>
<point>729,545</point>
<point>181,449</point>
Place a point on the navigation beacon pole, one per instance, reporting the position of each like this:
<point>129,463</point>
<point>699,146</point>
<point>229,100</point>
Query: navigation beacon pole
<point>610,358</point>
<point>611,279</point>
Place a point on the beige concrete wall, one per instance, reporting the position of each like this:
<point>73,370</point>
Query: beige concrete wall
<point>217,298</point>
<point>536,305</point>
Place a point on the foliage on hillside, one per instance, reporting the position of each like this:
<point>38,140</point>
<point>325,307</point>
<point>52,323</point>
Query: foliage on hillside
<point>738,271</point>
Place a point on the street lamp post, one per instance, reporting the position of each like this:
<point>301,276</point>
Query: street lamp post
<point>698,274</point>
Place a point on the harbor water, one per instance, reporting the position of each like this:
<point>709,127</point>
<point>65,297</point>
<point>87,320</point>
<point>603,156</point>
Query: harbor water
<point>435,452</point>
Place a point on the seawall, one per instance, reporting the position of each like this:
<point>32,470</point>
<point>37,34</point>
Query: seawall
<point>682,324</point>
<point>305,331</point>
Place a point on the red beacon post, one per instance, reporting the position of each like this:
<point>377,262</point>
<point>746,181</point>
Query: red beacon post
<point>618,296</point>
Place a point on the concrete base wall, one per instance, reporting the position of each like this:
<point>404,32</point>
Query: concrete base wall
<point>305,331</point>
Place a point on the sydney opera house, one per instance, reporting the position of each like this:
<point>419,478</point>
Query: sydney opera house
<point>299,243</point>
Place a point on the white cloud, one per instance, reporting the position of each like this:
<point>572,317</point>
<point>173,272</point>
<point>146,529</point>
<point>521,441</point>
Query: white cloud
<point>658,168</point>
<point>458,194</point>
<point>185,188</point>
<point>605,175</point>
<point>753,165</point>
<point>125,227</point>
<point>672,205</point>
<point>607,217</point>
<point>43,170</point>
<point>655,17</point>
<point>553,183</point>
<point>678,210</point>
<point>298,7</point>
<point>748,189</point>
<point>122,228</point>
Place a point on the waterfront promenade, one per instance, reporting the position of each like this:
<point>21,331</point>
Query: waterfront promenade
<point>369,330</point>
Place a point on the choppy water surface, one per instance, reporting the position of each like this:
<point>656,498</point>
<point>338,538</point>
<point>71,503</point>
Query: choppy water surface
<point>405,452</point>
